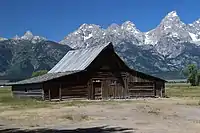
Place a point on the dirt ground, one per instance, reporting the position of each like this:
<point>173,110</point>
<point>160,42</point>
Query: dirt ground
<point>168,115</point>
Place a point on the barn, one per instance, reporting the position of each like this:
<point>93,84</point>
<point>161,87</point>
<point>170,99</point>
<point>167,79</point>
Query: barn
<point>91,73</point>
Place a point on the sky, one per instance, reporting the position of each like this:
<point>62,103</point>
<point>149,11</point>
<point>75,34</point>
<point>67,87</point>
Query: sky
<point>54,19</point>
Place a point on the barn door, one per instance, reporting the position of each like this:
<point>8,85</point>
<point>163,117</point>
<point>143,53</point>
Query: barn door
<point>54,93</point>
<point>97,89</point>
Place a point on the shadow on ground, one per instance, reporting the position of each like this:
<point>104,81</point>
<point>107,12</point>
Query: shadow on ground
<point>102,129</point>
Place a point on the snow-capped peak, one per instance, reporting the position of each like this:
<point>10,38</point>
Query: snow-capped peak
<point>171,19</point>
<point>88,26</point>
<point>167,35</point>
<point>197,21</point>
<point>170,26</point>
<point>194,27</point>
<point>128,25</point>
<point>172,14</point>
<point>30,37</point>
<point>114,28</point>
<point>27,36</point>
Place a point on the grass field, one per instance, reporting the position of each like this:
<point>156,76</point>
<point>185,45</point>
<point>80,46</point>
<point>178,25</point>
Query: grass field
<point>180,90</point>
<point>6,99</point>
<point>180,113</point>
<point>8,102</point>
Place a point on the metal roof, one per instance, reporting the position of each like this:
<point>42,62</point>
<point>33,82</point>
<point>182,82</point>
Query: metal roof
<point>74,61</point>
<point>42,78</point>
<point>79,59</point>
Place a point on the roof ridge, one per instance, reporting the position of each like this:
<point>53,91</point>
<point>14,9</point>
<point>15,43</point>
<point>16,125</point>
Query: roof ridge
<point>106,44</point>
<point>79,59</point>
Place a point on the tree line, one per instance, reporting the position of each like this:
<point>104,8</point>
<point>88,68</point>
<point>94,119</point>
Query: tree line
<point>193,74</point>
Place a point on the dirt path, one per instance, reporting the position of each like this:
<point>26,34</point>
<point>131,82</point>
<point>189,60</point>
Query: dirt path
<point>138,116</point>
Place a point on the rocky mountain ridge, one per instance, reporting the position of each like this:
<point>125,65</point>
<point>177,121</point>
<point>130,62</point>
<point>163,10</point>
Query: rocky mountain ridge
<point>163,51</point>
<point>166,49</point>
<point>20,56</point>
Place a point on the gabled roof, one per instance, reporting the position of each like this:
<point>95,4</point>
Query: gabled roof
<point>74,61</point>
<point>79,59</point>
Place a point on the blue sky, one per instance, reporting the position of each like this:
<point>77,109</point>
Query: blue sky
<point>54,19</point>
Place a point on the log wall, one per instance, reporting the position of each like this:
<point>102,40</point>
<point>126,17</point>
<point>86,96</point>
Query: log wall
<point>113,86</point>
<point>68,87</point>
<point>140,86</point>
<point>31,91</point>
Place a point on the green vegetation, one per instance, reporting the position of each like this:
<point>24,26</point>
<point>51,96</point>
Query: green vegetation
<point>6,99</point>
<point>182,90</point>
<point>193,74</point>
<point>8,102</point>
<point>39,73</point>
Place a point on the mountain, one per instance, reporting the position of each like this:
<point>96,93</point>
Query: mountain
<point>20,56</point>
<point>2,39</point>
<point>163,51</point>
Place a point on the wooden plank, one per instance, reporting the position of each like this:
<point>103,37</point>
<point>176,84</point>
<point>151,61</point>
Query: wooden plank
<point>101,89</point>
<point>88,89</point>
<point>74,91</point>
<point>134,96</point>
<point>71,93</point>
<point>43,97</point>
<point>154,89</point>
<point>26,93</point>
<point>143,86</point>
<point>60,92</point>
<point>67,97</point>
<point>142,89</point>
<point>76,86</point>
<point>49,95</point>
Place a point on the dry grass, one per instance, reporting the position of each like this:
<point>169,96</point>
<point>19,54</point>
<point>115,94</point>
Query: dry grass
<point>6,99</point>
<point>182,90</point>
<point>190,96</point>
<point>76,117</point>
<point>7,102</point>
<point>180,112</point>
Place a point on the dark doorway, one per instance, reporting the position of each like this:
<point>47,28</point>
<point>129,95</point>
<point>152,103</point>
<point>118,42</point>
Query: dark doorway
<point>97,89</point>
<point>54,92</point>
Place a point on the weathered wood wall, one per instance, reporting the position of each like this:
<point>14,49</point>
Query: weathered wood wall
<point>68,87</point>
<point>140,86</point>
<point>103,85</point>
<point>29,90</point>
<point>112,85</point>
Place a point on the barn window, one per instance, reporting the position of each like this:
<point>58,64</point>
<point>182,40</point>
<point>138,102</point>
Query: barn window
<point>113,82</point>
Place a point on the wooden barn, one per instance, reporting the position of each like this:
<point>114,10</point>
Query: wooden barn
<point>90,73</point>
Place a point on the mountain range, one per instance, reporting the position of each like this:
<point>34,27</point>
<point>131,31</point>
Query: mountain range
<point>20,56</point>
<point>163,51</point>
